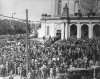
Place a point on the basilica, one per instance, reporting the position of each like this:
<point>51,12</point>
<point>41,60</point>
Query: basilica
<point>80,18</point>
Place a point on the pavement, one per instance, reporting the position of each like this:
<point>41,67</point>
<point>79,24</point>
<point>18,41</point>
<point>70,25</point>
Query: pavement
<point>18,77</point>
<point>15,77</point>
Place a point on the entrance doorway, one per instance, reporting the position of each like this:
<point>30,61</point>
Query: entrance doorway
<point>73,30</point>
<point>58,33</point>
<point>96,30</point>
<point>84,31</point>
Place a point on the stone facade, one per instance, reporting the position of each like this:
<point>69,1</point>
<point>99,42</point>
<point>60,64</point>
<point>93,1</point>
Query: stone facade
<point>75,24</point>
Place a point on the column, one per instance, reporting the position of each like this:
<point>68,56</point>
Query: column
<point>67,30</point>
<point>78,30</point>
<point>52,30</point>
<point>90,31</point>
<point>45,30</point>
<point>62,31</point>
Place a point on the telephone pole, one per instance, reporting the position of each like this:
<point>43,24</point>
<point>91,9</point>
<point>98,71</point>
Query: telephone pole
<point>27,46</point>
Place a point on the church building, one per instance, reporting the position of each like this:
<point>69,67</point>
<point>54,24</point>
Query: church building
<point>80,18</point>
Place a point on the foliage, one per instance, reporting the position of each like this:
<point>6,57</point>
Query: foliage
<point>11,27</point>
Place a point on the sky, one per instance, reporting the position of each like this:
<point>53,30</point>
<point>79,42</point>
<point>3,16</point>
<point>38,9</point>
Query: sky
<point>35,8</point>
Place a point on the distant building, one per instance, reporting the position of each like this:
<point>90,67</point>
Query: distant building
<point>34,26</point>
<point>78,18</point>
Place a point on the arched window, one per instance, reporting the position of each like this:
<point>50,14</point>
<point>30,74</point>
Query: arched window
<point>48,30</point>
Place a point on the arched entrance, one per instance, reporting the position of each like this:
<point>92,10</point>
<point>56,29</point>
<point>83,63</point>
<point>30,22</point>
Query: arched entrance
<point>84,31</point>
<point>96,30</point>
<point>73,30</point>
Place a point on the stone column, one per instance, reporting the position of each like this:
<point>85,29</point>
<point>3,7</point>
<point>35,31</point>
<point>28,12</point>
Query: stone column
<point>62,31</point>
<point>78,30</point>
<point>66,31</point>
<point>69,30</point>
<point>52,30</point>
<point>90,31</point>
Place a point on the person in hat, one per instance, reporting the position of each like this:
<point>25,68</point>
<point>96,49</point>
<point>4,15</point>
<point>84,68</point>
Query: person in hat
<point>29,75</point>
<point>54,71</point>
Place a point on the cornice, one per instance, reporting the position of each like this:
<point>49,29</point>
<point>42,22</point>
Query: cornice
<point>73,23</point>
<point>84,23</point>
<point>95,22</point>
<point>74,18</point>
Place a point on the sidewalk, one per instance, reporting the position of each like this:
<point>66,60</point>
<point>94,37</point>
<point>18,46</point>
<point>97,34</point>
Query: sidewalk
<point>15,77</point>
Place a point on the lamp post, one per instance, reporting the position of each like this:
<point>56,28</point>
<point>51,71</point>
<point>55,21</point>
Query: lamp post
<point>13,25</point>
<point>14,30</point>
<point>13,14</point>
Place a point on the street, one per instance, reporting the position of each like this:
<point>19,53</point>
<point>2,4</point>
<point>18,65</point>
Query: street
<point>15,77</point>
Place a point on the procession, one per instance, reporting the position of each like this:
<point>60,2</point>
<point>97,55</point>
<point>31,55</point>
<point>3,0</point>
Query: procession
<point>56,39</point>
<point>48,62</point>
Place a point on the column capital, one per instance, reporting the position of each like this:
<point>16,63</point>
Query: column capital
<point>79,25</point>
<point>90,22</point>
<point>78,22</point>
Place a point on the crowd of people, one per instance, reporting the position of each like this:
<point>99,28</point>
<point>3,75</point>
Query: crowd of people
<point>48,61</point>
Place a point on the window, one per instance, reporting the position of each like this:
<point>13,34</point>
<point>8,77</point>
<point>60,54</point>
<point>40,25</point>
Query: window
<point>48,29</point>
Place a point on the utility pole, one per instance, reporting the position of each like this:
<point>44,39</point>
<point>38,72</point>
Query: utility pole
<point>29,51</point>
<point>27,55</point>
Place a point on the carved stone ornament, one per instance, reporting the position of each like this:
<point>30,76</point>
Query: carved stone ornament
<point>87,5</point>
<point>65,10</point>
<point>57,26</point>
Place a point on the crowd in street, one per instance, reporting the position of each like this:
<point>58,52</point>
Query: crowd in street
<point>48,61</point>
